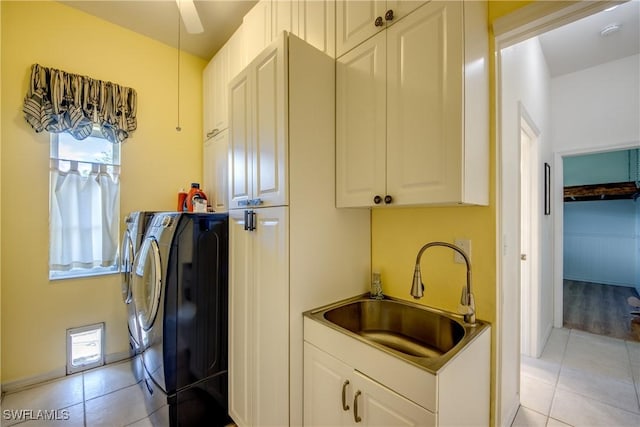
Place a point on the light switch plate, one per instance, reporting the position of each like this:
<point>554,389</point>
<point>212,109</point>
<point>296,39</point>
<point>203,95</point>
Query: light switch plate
<point>465,245</point>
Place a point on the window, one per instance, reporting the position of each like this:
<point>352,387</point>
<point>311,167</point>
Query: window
<point>84,201</point>
<point>85,347</point>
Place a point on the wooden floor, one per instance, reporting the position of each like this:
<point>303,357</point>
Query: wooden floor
<point>600,309</point>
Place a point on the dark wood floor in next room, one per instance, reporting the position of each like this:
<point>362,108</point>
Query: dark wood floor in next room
<point>600,309</point>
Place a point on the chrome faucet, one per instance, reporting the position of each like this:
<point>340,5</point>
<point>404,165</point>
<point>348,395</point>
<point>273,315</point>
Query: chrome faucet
<point>467,306</point>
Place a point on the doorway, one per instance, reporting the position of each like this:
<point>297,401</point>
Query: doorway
<point>520,31</point>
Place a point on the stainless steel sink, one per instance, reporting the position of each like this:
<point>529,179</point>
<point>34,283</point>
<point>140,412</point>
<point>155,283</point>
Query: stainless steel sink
<point>421,335</point>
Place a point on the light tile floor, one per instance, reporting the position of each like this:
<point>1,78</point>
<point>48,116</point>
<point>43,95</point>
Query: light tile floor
<point>106,396</point>
<point>581,379</point>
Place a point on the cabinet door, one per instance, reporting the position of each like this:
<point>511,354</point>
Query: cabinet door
<point>402,8</point>
<point>215,171</point>
<point>317,24</point>
<point>220,80</point>
<point>270,126</point>
<point>424,140</point>
<point>270,345</point>
<point>377,405</point>
<point>257,29</point>
<point>241,320</point>
<point>240,134</point>
<point>283,17</point>
<point>355,22</point>
<point>237,56</point>
<point>208,94</point>
<point>361,124</point>
<point>326,381</point>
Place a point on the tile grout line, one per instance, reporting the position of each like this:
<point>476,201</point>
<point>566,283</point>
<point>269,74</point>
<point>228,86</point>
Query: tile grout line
<point>84,405</point>
<point>555,386</point>
<point>636,383</point>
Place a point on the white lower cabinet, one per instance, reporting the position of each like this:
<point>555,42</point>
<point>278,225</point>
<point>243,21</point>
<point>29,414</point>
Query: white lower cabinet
<point>338,395</point>
<point>348,382</point>
<point>258,318</point>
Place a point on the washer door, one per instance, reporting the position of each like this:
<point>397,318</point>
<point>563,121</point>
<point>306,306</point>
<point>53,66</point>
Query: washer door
<point>126,266</point>
<point>147,281</point>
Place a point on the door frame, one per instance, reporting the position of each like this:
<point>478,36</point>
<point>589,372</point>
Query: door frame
<point>522,24</point>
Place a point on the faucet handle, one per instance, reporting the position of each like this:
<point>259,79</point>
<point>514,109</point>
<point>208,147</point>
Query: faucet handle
<point>464,309</point>
<point>464,297</point>
<point>466,305</point>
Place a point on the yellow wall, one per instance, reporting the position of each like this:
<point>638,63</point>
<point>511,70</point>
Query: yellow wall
<point>156,162</point>
<point>398,234</point>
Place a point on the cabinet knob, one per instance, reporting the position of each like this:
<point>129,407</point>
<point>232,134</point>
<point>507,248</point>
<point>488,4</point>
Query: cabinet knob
<point>388,199</point>
<point>378,22</point>
<point>389,15</point>
<point>377,199</point>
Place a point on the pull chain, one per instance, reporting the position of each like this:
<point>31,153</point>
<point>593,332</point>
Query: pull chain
<point>178,128</point>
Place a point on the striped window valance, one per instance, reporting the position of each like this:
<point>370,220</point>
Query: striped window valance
<point>58,101</point>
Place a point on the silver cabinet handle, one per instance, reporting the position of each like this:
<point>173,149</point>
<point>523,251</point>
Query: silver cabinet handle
<point>345,407</point>
<point>356,417</point>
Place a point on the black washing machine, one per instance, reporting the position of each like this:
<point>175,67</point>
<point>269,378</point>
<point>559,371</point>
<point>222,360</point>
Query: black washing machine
<point>180,291</point>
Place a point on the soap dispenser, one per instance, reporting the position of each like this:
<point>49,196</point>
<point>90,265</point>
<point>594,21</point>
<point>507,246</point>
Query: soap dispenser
<point>376,286</point>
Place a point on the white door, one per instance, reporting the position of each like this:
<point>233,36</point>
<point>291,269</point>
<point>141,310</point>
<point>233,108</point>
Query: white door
<point>376,405</point>
<point>361,124</point>
<point>529,242</point>
<point>328,391</point>
<point>424,102</point>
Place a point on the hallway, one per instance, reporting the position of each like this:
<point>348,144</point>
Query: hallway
<point>581,379</point>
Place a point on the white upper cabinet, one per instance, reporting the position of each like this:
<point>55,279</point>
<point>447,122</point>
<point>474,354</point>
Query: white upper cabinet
<point>208,95</point>
<point>356,21</point>
<point>220,80</point>
<point>317,24</point>
<point>257,29</point>
<point>258,132</point>
<point>237,56</point>
<point>413,130</point>
<point>361,131</point>
<point>284,17</point>
<point>214,171</point>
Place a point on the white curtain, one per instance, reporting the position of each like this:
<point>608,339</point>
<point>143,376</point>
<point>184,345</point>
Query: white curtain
<point>84,215</point>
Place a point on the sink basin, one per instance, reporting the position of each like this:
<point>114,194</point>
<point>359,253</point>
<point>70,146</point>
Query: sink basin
<point>421,335</point>
<point>405,328</point>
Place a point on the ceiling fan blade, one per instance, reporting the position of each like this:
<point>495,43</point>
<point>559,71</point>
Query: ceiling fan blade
<point>190,16</point>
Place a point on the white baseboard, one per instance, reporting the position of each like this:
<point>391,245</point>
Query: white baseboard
<point>17,385</point>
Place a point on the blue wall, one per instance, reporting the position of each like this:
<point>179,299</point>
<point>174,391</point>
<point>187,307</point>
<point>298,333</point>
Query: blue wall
<point>602,243</point>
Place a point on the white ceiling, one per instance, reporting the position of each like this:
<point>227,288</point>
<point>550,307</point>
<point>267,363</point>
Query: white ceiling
<point>579,45</point>
<point>158,19</point>
<point>567,49</point>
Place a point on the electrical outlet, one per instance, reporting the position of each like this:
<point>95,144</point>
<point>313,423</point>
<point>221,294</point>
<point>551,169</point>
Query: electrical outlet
<point>465,245</point>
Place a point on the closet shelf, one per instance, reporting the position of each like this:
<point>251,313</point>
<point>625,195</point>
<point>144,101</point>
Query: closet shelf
<point>612,191</point>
